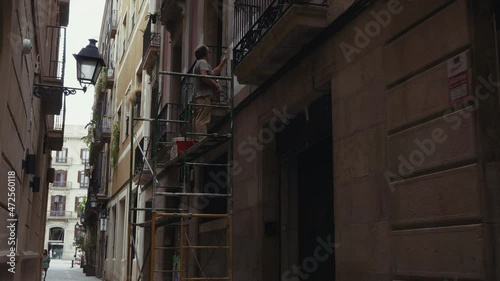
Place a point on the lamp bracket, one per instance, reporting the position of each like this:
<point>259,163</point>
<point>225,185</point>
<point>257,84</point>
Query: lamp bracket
<point>40,90</point>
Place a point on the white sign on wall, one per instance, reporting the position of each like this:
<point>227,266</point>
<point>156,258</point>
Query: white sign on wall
<point>458,80</point>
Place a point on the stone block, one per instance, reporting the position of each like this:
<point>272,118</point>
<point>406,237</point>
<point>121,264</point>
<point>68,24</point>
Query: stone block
<point>356,76</point>
<point>446,252</point>
<point>11,145</point>
<point>419,97</point>
<point>359,112</point>
<point>362,201</point>
<point>448,196</point>
<point>442,141</point>
<point>359,155</point>
<point>361,276</point>
<point>432,40</point>
<point>412,12</point>
<point>363,248</point>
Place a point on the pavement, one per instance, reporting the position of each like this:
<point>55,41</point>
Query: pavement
<point>60,270</point>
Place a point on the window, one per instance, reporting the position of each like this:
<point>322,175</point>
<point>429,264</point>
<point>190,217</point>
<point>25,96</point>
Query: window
<point>137,105</point>
<point>120,121</point>
<point>127,120</point>
<point>133,22</point>
<point>58,206</point>
<point>84,155</point>
<point>78,201</point>
<point>60,179</point>
<point>62,156</point>
<point>83,179</point>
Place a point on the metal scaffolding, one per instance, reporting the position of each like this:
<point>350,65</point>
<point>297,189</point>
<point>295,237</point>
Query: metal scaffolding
<point>172,204</point>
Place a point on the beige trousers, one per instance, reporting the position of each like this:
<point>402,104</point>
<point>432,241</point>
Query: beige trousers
<point>201,116</point>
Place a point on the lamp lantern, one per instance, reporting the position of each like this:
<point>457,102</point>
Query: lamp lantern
<point>93,201</point>
<point>88,64</point>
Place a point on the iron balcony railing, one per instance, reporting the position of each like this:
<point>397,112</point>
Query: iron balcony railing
<point>253,18</point>
<point>167,130</point>
<point>62,184</point>
<point>105,124</point>
<point>56,36</point>
<point>113,19</point>
<point>62,161</point>
<point>151,38</point>
<point>60,120</point>
<point>59,214</point>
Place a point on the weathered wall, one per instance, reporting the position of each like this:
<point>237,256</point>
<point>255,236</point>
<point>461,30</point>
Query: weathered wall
<point>23,126</point>
<point>389,95</point>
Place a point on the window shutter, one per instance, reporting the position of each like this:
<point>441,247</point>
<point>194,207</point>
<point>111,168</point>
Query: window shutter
<point>65,173</point>
<point>52,203</point>
<point>79,176</point>
<point>76,203</point>
<point>81,153</point>
<point>63,199</point>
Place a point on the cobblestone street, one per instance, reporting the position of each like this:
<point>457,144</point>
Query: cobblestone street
<point>60,270</point>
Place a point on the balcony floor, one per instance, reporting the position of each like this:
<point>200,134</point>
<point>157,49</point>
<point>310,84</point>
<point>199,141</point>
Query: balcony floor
<point>297,27</point>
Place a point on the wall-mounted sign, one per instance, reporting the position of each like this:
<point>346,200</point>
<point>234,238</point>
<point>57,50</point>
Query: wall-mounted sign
<point>458,80</point>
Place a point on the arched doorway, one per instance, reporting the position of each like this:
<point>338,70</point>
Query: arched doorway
<point>56,242</point>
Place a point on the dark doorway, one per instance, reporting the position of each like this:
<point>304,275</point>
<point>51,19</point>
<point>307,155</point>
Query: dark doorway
<point>315,210</point>
<point>305,150</point>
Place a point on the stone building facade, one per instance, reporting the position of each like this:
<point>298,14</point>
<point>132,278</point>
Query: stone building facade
<point>28,127</point>
<point>365,143</point>
<point>67,194</point>
<point>403,98</point>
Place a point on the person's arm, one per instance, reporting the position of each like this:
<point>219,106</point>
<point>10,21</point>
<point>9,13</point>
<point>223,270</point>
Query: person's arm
<point>209,81</point>
<point>218,69</point>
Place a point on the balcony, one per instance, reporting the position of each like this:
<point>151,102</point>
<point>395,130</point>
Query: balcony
<point>142,174</point>
<point>63,12</point>
<point>270,32</point>
<point>59,214</point>
<point>53,70</point>
<point>61,185</point>
<point>62,161</point>
<point>110,81</point>
<point>102,191</point>
<point>151,47</point>
<point>103,129</point>
<point>113,24</point>
<point>55,133</point>
<point>170,12</point>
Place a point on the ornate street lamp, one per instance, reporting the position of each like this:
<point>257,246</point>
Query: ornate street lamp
<point>88,64</point>
<point>104,221</point>
<point>93,201</point>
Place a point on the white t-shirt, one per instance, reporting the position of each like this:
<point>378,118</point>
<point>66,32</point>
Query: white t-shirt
<point>200,88</point>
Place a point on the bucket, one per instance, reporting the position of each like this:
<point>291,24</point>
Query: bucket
<point>183,144</point>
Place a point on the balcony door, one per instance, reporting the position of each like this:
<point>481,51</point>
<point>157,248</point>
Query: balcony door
<point>62,156</point>
<point>57,206</point>
<point>83,179</point>
<point>60,178</point>
<point>85,155</point>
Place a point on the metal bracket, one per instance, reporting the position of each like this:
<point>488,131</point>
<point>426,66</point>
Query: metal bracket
<point>40,90</point>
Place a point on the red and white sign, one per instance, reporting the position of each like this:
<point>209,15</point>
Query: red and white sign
<point>458,78</point>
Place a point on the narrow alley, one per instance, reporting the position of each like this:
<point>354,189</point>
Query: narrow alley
<point>60,270</point>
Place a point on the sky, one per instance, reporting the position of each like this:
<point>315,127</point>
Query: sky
<point>84,23</point>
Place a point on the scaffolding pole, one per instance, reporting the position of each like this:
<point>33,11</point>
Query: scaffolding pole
<point>161,215</point>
